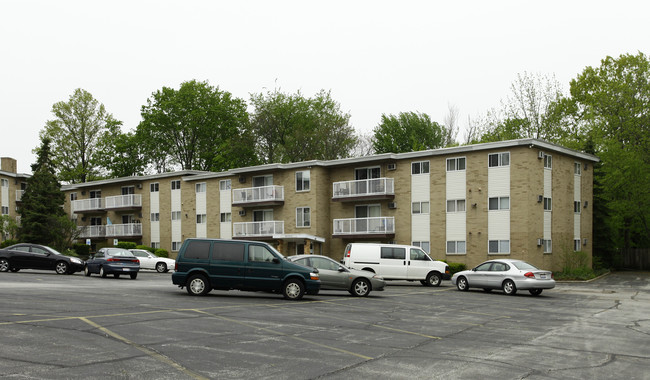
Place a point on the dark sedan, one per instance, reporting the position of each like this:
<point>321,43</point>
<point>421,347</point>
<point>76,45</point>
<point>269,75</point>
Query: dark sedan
<point>36,256</point>
<point>115,261</point>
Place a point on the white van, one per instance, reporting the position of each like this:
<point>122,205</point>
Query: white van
<point>396,262</point>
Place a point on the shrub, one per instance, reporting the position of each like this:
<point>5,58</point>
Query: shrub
<point>152,250</point>
<point>126,245</point>
<point>161,253</point>
<point>8,242</point>
<point>70,252</point>
<point>456,267</point>
<point>81,249</point>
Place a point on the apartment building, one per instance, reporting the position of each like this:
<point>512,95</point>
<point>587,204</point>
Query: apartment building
<point>12,186</point>
<point>525,199</point>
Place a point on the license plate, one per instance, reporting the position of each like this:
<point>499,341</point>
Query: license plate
<point>126,269</point>
<point>542,276</point>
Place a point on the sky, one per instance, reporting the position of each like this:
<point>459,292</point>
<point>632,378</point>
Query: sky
<point>376,57</point>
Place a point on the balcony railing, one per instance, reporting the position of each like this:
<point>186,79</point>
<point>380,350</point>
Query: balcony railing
<point>124,230</point>
<point>257,229</point>
<point>365,226</point>
<point>123,201</point>
<point>258,195</point>
<point>83,205</point>
<point>364,188</point>
<point>87,232</point>
<point>19,195</point>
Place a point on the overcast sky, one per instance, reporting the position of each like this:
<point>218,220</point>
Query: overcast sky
<point>375,56</point>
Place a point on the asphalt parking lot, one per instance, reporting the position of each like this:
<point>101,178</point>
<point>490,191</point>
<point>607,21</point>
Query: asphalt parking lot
<point>59,327</point>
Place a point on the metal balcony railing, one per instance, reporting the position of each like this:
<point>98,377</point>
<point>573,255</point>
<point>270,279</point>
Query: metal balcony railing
<point>363,187</point>
<point>91,204</point>
<point>258,194</point>
<point>131,229</point>
<point>364,226</point>
<point>123,201</point>
<point>256,229</point>
<point>87,232</point>
<point>19,195</point>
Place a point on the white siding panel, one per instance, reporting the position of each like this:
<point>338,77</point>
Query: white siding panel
<point>154,206</point>
<point>576,188</point>
<point>420,229</point>
<point>548,183</point>
<point>176,230</point>
<point>201,203</point>
<point>176,200</point>
<point>155,231</point>
<point>499,181</point>
<point>456,226</point>
<point>420,188</point>
<point>5,196</point>
<point>201,230</point>
<point>456,184</point>
<point>176,224</point>
<point>225,201</point>
<point>499,225</point>
<point>225,230</point>
<point>576,226</point>
<point>547,225</point>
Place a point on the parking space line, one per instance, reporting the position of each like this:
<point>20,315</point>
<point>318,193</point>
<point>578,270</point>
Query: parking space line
<point>283,334</point>
<point>155,355</point>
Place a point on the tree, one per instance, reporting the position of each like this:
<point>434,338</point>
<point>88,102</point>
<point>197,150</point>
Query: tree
<point>198,127</point>
<point>122,155</point>
<point>407,132</point>
<point>451,126</point>
<point>293,128</point>
<point>42,218</point>
<point>80,126</point>
<point>8,227</point>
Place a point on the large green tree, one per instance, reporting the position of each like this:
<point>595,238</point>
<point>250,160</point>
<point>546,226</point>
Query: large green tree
<point>42,218</point>
<point>195,127</point>
<point>123,155</point>
<point>80,126</point>
<point>292,127</point>
<point>407,132</point>
<point>608,111</point>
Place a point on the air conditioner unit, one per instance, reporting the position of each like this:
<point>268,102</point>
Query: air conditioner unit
<point>540,198</point>
<point>242,179</point>
<point>540,154</point>
<point>392,205</point>
<point>586,166</point>
<point>392,166</point>
<point>139,186</point>
<point>242,213</point>
<point>584,241</point>
<point>586,204</point>
<point>540,242</point>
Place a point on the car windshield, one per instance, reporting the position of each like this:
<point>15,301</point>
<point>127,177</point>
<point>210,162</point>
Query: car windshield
<point>522,265</point>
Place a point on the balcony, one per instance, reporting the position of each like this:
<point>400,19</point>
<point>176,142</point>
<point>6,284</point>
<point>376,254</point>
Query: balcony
<point>124,230</point>
<point>90,232</point>
<point>364,189</point>
<point>257,230</point>
<point>87,205</point>
<point>360,228</point>
<point>19,195</point>
<point>258,196</point>
<point>123,202</point>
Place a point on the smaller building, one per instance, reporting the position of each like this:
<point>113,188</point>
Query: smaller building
<point>12,187</point>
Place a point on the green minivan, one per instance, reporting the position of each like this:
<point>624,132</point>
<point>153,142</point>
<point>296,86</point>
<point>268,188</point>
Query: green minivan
<point>206,264</point>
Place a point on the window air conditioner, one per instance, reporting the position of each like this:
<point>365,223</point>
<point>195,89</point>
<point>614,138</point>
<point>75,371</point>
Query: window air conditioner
<point>242,179</point>
<point>584,241</point>
<point>539,242</point>
<point>392,205</point>
<point>139,186</point>
<point>242,213</point>
<point>540,154</point>
<point>540,198</point>
<point>392,166</point>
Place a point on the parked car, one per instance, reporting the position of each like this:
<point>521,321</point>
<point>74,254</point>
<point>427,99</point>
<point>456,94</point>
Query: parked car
<point>506,274</point>
<point>334,276</point>
<point>396,262</point>
<point>115,261</point>
<point>206,264</point>
<point>150,261</point>
<point>36,256</point>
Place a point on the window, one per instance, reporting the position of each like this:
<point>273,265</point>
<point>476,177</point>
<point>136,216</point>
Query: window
<point>200,187</point>
<point>393,253</point>
<point>499,246</point>
<point>258,253</point>
<point>154,187</point>
<point>576,245</point>
<point>5,182</point>
<point>73,197</point>
<point>176,245</point>
<point>421,167</point>
<point>176,185</point>
<point>454,164</point>
<point>420,207</point>
<point>225,185</point>
<point>499,159</point>
<point>5,210</point>
<point>456,205</point>
<point>196,249</point>
<point>548,161</point>
<point>499,203</point>
<point>226,217</point>
<point>548,246</point>
<point>155,216</point>
<point>547,204</point>
<point>228,251</point>
<point>576,207</point>
<point>127,190</point>
<point>418,255</point>
<point>303,217</point>
<point>95,194</point>
<point>456,246</point>
<point>302,180</point>
<point>425,245</point>
<point>201,218</point>
<point>155,244</point>
<point>176,215</point>
<point>577,168</point>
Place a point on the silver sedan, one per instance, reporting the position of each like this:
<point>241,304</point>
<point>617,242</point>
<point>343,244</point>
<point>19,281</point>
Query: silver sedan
<point>506,274</point>
<point>334,276</point>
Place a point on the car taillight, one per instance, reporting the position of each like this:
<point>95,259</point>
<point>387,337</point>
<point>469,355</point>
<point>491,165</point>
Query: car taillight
<point>530,275</point>
<point>112,260</point>
<point>552,275</point>
<point>447,269</point>
<point>136,261</point>
<point>348,253</point>
<point>176,266</point>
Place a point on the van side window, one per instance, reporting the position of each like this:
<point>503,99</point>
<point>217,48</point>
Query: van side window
<point>259,253</point>
<point>393,253</point>
<point>418,254</point>
<point>228,251</point>
<point>197,250</point>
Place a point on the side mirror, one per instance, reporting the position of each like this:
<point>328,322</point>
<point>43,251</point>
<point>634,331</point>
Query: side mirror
<point>276,260</point>
<point>473,269</point>
<point>342,269</point>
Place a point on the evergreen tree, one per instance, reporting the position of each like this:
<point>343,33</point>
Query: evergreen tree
<point>42,218</point>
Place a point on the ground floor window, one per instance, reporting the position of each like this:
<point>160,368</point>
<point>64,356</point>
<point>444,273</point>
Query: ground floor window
<point>456,246</point>
<point>425,245</point>
<point>176,245</point>
<point>499,246</point>
<point>548,246</point>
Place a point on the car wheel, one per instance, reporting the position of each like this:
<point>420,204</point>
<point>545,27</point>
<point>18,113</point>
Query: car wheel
<point>101,272</point>
<point>509,287</point>
<point>116,275</point>
<point>433,279</point>
<point>197,285</point>
<point>86,271</point>
<point>61,267</point>
<point>293,289</point>
<point>535,292</point>
<point>360,287</point>
<point>4,265</point>
<point>461,284</point>
<point>161,267</point>
<point>134,276</point>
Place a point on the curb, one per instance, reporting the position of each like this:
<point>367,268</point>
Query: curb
<point>584,281</point>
